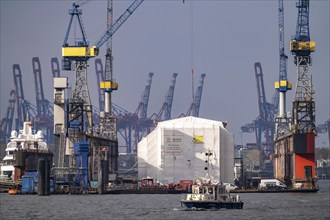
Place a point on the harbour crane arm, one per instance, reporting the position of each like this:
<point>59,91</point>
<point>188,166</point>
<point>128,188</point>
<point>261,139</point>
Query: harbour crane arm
<point>165,110</point>
<point>7,122</point>
<point>116,25</point>
<point>80,50</point>
<point>142,108</point>
<point>55,67</point>
<point>40,98</point>
<point>100,78</point>
<point>194,108</point>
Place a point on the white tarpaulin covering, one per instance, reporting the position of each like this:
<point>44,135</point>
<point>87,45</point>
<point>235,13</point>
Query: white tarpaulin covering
<point>176,150</point>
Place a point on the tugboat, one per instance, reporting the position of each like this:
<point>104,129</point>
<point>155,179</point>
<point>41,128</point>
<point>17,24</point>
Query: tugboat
<point>209,194</point>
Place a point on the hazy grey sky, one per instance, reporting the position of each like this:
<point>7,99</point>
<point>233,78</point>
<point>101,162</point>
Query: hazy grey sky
<point>228,37</point>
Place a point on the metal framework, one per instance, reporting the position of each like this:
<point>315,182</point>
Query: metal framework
<point>282,121</point>
<point>165,111</point>
<point>44,118</point>
<point>195,105</point>
<point>303,112</point>
<point>6,123</point>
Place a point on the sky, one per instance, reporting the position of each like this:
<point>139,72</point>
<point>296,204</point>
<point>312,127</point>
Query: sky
<point>222,39</point>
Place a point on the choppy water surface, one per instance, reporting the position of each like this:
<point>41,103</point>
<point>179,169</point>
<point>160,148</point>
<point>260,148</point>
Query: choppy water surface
<point>256,206</point>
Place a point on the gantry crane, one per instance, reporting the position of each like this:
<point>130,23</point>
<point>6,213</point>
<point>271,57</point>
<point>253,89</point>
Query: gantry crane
<point>55,67</point>
<point>143,124</point>
<point>23,107</point>
<point>100,78</point>
<point>195,105</point>
<point>44,119</point>
<point>265,120</point>
<point>165,111</point>
<point>6,123</point>
<point>142,108</point>
<point>263,125</point>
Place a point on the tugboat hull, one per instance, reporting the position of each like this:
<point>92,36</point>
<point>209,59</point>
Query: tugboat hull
<point>211,205</point>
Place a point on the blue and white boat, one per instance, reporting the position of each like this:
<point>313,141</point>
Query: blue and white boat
<point>210,196</point>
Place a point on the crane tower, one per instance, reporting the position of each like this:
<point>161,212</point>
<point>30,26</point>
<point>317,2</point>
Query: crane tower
<point>294,158</point>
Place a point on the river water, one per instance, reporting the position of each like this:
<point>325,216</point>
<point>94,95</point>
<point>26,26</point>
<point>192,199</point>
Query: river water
<point>136,206</point>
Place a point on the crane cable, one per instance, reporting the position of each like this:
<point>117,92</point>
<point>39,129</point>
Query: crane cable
<point>192,61</point>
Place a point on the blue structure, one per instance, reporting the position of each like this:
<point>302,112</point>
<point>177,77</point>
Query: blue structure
<point>83,151</point>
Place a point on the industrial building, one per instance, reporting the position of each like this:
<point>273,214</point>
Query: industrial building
<point>185,149</point>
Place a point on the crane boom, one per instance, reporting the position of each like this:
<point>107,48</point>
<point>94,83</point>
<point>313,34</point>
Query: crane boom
<point>40,97</point>
<point>100,78</point>
<point>21,110</point>
<point>118,23</point>
<point>165,110</point>
<point>142,108</point>
<point>194,108</point>
<point>7,122</point>
<point>283,56</point>
<point>55,67</point>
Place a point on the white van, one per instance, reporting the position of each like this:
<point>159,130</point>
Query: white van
<point>271,184</point>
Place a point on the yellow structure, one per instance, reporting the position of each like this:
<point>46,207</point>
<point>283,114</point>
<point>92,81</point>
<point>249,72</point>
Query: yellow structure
<point>297,46</point>
<point>80,51</point>
<point>108,85</point>
<point>283,85</point>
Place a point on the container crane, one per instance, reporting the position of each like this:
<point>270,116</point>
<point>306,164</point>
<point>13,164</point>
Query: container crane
<point>142,108</point>
<point>165,111</point>
<point>20,101</point>
<point>6,123</point>
<point>195,105</point>
<point>44,118</point>
<point>265,120</point>
<point>263,125</point>
<point>55,67</point>
<point>100,78</point>
<point>294,157</point>
<point>144,124</point>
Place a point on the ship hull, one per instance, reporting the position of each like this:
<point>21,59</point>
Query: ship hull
<point>211,205</point>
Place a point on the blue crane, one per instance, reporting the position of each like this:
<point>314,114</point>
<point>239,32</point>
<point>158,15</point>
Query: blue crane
<point>6,123</point>
<point>80,53</point>
<point>165,111</point>
<point>303,115</point>
<point>264,123</point>
<point>265,120</point>
<point>44,119</point>
<point>195,105</point>
<point>55,67</point>
<point>24,108</point>
<point>99,78</point>
<point>282,122</point>
<point>142,108</point>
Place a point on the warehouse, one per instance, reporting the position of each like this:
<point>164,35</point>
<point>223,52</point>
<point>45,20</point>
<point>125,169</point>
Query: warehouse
<point>184,149</point>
